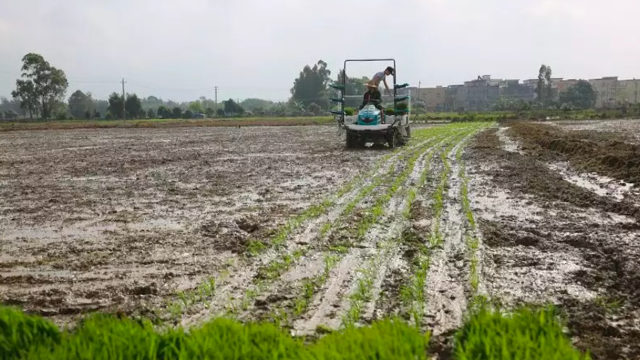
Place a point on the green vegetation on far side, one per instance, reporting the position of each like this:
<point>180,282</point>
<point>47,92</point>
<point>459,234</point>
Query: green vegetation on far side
<point>161,123</point>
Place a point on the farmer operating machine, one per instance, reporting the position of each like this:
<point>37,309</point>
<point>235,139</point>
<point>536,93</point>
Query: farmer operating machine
<point>374,123</point>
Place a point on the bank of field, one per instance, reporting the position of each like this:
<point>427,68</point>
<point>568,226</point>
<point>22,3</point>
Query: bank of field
<point>162,123</point>
<point>279,242</point>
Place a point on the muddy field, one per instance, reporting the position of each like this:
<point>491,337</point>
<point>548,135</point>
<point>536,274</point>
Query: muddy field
<point>285,224</point>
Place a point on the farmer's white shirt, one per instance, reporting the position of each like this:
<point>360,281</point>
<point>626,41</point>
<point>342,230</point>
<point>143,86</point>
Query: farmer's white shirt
<point>378,77</point>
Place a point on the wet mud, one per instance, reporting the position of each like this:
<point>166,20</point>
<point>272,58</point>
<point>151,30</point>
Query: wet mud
<point>557,234</point>
<point>120,219</point>
<point>137,220</point>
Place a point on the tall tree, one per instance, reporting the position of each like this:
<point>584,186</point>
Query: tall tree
<point>41,81</point>
<point>544,89</point>
<point>115,106</point>
<point>163,112</point>
<point>133,106</point>
<point>232,108</point>
<point>26,94</point>
<point>311,85</point>
<point>195,107</point>
<point>81,104</point>
<point>354,86</point>
<point>580,95</point>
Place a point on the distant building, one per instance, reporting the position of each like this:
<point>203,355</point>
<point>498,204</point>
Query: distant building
<point>478,95</point>
<point>513,90</point>
<point>564,85</point>
<point>433,98</point>
<point>606,89</point>
<point>484,92</point>
<point>628,91</point>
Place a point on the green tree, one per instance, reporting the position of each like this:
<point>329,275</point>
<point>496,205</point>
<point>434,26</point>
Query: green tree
<point>311,85</point>
<point>133,106</point>
<point>151,114</point>
<point>176,113</point>
<point>314,109</point>
<point>196,107</point>
<point>163,112</point>
<point>81,104</point>
<point>47,84</point>
<point>232,108</point>
<point>580,95</point>
<point>544,89</point>
<point>26,94</point>
<point>209,112</point>
<point>253,104</point>
<point>101,107</point>
<point>115,106</point>
<point>354,86</point>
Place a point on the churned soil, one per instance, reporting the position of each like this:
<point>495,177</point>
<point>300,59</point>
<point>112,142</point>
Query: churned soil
<point>555,234</point>
<point>113,219</point>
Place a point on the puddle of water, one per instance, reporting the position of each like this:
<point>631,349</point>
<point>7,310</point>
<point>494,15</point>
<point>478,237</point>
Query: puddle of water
<point>600,185</point>
<point>506,142</point>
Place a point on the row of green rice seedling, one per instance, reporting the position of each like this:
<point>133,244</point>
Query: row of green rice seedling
<point>413,294</point>
<point>364,286</point>
<point>184,299</point>
<point>471,238</point>
<point>364,191</point>
<point>526,333</point>
<point>284,260</point>
<point>440,193</point>
<point>311,285</point>
<point>375,212</point>
<point>283,232</point>
<point>110,337</point>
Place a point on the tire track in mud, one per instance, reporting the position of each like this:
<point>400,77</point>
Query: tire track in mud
<point>240,285</point>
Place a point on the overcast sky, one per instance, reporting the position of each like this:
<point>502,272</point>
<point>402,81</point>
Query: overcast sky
<point>255,48</point>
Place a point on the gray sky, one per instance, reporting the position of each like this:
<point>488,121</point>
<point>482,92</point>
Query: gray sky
<point>256,48</point>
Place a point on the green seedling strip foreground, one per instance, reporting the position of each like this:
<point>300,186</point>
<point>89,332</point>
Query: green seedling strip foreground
<point>487,333</point>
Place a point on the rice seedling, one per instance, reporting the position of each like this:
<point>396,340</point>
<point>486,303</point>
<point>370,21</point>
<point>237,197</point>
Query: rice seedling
<point>526,333</point>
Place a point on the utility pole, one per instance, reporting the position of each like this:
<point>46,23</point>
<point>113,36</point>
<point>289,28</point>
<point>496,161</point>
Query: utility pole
<point>216,97</point>
<point>124,114</point>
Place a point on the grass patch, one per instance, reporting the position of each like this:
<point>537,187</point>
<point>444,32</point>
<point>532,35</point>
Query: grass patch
<point>103,336</point>
<point>386,339</point>
<point>526,333</point>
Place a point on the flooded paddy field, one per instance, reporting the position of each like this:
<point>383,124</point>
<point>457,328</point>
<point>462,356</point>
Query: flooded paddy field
<point>285,224</point>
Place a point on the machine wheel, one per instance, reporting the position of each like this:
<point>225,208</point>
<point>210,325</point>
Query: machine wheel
<point>403,139</point>
<point>392,139</point>
<point>352,140</point>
